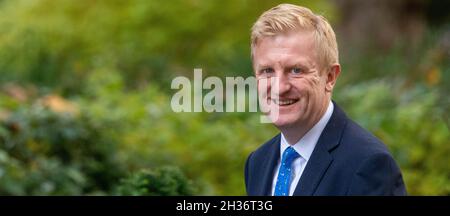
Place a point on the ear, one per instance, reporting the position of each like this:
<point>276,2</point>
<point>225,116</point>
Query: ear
<point>332,75</point>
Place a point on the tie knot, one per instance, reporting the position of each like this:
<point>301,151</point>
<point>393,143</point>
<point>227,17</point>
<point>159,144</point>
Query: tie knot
<point>289,155</point>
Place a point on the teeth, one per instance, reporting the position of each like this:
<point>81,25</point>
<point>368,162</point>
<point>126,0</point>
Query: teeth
<point>283,102</point>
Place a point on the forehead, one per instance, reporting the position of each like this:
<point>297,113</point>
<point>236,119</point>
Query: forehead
<point>287,47</point>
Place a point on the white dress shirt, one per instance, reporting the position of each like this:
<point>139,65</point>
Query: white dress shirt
<point>304,148</point>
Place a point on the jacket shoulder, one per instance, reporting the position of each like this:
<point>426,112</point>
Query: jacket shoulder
<point>361,141</point>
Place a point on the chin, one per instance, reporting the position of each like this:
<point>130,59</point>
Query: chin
<point>283,121</point>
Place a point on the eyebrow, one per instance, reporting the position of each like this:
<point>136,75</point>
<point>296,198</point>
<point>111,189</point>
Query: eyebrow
<point>297,64</point>
<point>263,66</point>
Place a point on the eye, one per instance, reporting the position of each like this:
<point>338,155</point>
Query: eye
<point>296,70</point>
<point>266,70</point>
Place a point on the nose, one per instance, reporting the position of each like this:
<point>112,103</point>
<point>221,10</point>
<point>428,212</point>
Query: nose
<point>284,84</point>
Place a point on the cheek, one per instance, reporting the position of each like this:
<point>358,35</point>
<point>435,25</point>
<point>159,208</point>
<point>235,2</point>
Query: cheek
<point>315,84</point>
<point>262,87</point>
<point>308,85</point>
<point>315,80</point>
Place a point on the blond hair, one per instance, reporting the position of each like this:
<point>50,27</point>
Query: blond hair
<point>288,17</point>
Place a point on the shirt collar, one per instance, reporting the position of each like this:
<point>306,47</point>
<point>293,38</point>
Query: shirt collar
<point>307,143</point>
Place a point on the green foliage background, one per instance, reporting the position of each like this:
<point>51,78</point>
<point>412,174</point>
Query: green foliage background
<point>85,98</point>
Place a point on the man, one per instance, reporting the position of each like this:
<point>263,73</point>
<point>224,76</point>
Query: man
<point>320,151</point>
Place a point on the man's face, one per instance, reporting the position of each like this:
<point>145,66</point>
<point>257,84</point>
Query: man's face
<point>300,94</point>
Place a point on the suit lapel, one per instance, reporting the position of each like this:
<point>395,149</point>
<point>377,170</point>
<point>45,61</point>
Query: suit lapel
<point>314,170</point>
<point>268,167</point>
<point>321,158</point>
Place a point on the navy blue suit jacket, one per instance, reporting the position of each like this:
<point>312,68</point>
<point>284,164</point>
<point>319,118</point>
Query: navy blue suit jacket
<point>347,160</point>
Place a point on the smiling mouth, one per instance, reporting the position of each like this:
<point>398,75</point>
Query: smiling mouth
<point>284,102</point>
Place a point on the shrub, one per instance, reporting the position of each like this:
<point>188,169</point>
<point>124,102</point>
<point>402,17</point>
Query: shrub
<point>163,181</point>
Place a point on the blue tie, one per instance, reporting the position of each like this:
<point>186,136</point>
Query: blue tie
<point>284,174</point>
